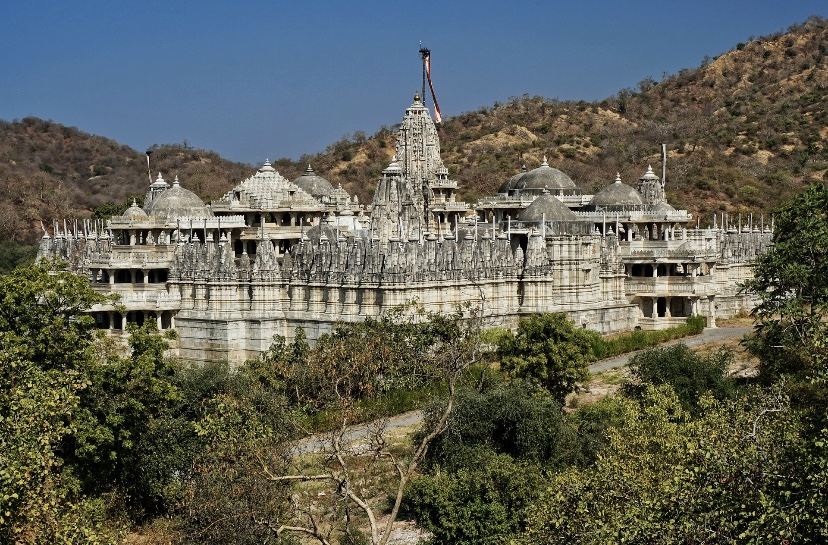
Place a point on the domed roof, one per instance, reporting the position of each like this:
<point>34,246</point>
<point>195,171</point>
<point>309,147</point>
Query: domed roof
<point>317,186</point>
<point>663,207</point>
<point>547,207</point>
<point>649,176</point>
<point>177,202</point>
<point>545,177</point>
<point>616,194</point>
<point>134,212</point>
<point>510,184</point>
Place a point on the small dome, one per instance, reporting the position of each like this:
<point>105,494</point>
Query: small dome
<point>317,186</point>
<point>649,176</point>
<point>177,202</point>
<point>547,207</point>
<point>545,177</point>
<point>663,207</point>
<point>134,212</point>
<point>512,182</point>
<point>616,195</point>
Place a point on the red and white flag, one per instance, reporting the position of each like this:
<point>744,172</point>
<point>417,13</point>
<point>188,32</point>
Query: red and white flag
<point>438,117</point>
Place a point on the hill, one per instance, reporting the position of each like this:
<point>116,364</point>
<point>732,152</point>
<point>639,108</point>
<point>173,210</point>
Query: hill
<point>49,172</point>
<point>744,130</point>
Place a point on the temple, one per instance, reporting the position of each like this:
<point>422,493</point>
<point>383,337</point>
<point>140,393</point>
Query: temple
<point>274,255</point>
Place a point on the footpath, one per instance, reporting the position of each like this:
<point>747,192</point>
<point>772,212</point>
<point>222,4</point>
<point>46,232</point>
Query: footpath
<point>357,432</point>
<point>709,335</point>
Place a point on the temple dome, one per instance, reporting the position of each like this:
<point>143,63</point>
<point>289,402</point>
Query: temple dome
<point>317,186</point>
<point>547,207</point>
<point>134,212</point>
<point>512,182</point>
<point>663,207</point>
<point>545,177</point>
<point>616,195</point>
<point>177,202</point>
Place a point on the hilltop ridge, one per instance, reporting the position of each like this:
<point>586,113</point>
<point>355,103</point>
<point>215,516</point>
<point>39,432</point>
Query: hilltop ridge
<point>744,130</point>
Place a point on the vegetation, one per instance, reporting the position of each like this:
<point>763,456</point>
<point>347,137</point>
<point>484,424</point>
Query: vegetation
<point>96,441</point>
<point>688,373</point>
<point>548,350</point>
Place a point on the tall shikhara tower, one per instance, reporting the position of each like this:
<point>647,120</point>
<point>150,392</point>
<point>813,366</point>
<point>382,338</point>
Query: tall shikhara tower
<point>405,193</point>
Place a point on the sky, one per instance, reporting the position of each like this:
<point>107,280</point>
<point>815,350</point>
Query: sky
<point>253,80</point>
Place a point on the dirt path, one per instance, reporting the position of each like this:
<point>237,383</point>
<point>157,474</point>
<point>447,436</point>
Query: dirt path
<point>709,335</point>
<point>319,442</point>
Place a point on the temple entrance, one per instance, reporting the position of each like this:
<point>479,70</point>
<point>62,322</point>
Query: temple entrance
<point>661,307</point>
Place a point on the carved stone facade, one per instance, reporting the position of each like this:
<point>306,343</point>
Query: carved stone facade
<point>273,255</point>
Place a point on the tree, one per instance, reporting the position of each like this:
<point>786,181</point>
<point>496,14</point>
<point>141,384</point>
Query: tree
<point>484,503</point>
<point>332,490</point>
<point>129,404</point>
<point>42,311</point>
<point>46,345</point>
<point>549,351</point>
<point>687,372</point>
<point>791,282</point>
<point>516,418</point>
<point>740,472</point>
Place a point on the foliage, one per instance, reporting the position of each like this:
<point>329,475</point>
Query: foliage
<point>791,283</point>
<point>125,410</point>
<point>549,351</point>
<point>741,472</point>
<point>42,313</point>
<point>358,361</point>
<point>640,340</point>
<point>515,418</point>
<point>482,503</point>
<point>689,374</point>
<point>228,498</point>
<point>45,345</point>
<point>15,254</point>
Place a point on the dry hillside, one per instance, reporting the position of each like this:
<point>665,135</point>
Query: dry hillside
<point>744,130</point>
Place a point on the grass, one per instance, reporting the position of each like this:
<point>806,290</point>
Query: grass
<point>640,340</point>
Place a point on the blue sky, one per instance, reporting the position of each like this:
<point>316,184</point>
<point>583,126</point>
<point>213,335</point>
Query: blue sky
<point>255,80</point>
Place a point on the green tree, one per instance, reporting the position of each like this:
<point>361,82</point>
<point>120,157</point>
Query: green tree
<point>516,418</point>
<point>485,503</point>
<point>548,350</point>
<point>740,472</point>
<point>42,312</point>
<point>46,346</point>
<point>791,282</point>
<point>689,374</point>
<point>131,403</point>
<point>35,505</point>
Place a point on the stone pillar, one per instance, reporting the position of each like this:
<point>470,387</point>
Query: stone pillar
<point>124,321</point>
<point>111,319</point>
<point>111,274</point>
<point>158,320</point>
<point>146,275</point>
<point>132,276</point>
<point>655,308</point>
<point>711,315</point>
<point>668,301</point>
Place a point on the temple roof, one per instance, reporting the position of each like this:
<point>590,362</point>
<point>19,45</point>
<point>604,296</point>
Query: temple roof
<point>616,194</point>
<point>177,202</point>
<point>547,207</point>
<point>317,186</point>
<point>267,190</point>
<point>545,177</point>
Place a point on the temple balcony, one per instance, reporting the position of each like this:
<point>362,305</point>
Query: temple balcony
<point>669,285</point>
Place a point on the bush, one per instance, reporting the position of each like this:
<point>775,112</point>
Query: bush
<point>689,373</point>
<point>516,418</point>
<point>486,503</point>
